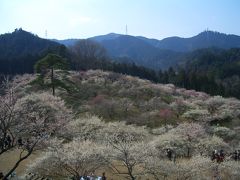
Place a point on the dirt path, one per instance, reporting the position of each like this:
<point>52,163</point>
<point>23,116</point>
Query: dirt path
<point>8,159</point>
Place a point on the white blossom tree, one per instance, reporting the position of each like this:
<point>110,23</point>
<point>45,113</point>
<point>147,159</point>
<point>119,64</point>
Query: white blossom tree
<point>207,145</point>
<point>197,167</point>
<point>28,122</point>
<point>192,132</point>
<point>181,139</point>
<point>229,170</point>
<point>74,159</point>
<point>128,148</point>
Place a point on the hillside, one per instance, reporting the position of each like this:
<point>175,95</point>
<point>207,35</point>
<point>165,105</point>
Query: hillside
<point>119,97</point>
<point>109,118</point>
<point>212,70</point>
<point>139,52</point>
<point>20,50</point>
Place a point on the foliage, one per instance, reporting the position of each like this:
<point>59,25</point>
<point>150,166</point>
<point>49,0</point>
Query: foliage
<point>214,71</point>
<point>51,62</point>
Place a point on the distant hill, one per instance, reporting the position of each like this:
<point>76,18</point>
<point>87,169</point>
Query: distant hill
<point>20,50</point>
<point>110,36</point>
<point>157,54</point>
<point>66,42</point>
<point>131,49</point>
<point>205,39</point>
<point>137,51</point>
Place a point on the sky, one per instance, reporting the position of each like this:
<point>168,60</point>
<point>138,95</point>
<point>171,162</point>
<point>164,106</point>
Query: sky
<point>63,19</point>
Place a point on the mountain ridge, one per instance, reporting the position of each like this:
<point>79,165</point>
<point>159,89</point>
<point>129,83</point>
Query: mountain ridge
<point>164,43</point>
<point>161,54</point>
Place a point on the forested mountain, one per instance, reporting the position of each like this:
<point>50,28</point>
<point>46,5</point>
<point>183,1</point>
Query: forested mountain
<point>139,51</point>
<point>130,49</point>
<point>20,50</point>
<point>159,54</point>
<point>205,39</point>
<point>212,70</point>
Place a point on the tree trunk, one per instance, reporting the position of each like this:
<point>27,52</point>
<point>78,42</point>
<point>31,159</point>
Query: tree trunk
<point>17,164</point>
<point>52,81</point>
<point>188,152</point>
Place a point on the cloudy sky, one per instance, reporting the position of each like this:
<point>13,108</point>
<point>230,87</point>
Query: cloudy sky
<point>151,18</point>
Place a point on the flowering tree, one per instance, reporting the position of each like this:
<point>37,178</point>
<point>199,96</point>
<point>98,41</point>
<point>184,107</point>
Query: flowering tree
<point>127,148</point>
<point>192,132</point>
<point>214,103</point>
<point>200,115</point>
<point>224,132</point>
<point>158,168</point>
<point>198,167</point>
<point>180,139</point>
<point>29,122</point>
<point>7,120</point>
<point>75,159</point>
<point>175,142</point>
<point>207,145</point>
<point>86,128</point>
<point>229,170</point>
<point>165,114</point>
<point>180,106</point>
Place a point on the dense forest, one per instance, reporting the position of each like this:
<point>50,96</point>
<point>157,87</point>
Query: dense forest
<point>212,70</point>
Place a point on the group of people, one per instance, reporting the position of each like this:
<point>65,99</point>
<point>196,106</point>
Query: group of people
<point>171,155</point>
<point>236,155</point>
<point>92,177</point>
<point>220,155</point>
<point>217,155</point>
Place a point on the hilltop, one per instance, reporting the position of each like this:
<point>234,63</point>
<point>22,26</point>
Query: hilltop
<point>20,50</point>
